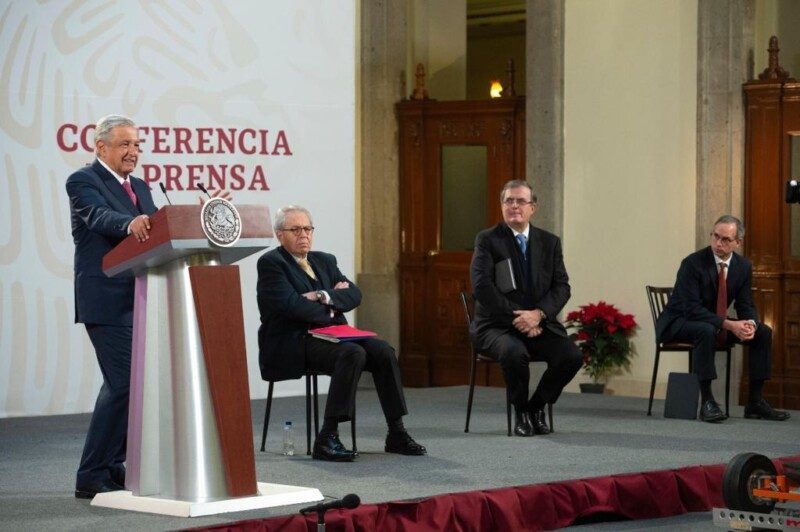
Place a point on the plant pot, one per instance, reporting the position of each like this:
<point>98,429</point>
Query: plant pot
<point>592,387</point>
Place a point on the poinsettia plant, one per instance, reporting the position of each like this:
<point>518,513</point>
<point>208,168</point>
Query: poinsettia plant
<point>603,334</point>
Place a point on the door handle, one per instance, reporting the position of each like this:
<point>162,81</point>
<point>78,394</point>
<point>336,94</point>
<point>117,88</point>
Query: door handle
<point>433,252</point>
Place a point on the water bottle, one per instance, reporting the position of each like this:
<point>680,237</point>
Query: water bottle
<point>288,439</point>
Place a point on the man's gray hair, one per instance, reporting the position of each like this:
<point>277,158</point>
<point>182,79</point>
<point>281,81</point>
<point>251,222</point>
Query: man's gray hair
<point>102,130</point>
<point>516,183</point>
<point>280,216</point>
<point>729,219</point>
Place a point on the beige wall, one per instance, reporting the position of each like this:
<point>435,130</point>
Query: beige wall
<point>630,155</point>
<point>780,18</point>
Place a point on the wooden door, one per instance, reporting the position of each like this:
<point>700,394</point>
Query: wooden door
<point>454,159</point>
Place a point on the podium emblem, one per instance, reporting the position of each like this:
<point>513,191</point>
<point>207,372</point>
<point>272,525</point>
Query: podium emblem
<point>221,222</point>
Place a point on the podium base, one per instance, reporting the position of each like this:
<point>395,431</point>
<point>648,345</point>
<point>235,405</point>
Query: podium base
<point>269,496</point>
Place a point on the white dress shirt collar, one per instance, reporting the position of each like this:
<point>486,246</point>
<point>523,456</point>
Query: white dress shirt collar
<point>119,179</point>
<point>525,232</point>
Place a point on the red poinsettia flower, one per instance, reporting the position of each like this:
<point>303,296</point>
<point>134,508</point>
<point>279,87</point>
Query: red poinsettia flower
<point>602,333</point>
<point>590,312</point>
<point>626,321</point>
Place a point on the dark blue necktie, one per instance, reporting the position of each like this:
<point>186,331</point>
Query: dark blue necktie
<point>522,242</point>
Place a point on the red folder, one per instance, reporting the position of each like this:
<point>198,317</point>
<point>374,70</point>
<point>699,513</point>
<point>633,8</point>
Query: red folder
<point>340,333</point>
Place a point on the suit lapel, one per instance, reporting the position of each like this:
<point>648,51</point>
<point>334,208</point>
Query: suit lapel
<point>114,188</point>
<point>141,190</point>
<point>321,271</point>
<point>300,277</point>
<point>534,255</point>
<point>711,270</point>
<point>734,272</point>
<point>513,251</point>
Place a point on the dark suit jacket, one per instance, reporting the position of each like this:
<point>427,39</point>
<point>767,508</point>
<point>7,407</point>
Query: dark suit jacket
<point>286,316</point>
<point>694,297</point>
<point>546,288</point>
<point>101,210</point>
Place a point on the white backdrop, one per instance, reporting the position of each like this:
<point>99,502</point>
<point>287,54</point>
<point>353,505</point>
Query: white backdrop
<point>277,77</point>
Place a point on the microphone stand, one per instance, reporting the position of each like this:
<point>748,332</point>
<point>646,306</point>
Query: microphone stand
<point>321,520</point>
<point>348,502</point>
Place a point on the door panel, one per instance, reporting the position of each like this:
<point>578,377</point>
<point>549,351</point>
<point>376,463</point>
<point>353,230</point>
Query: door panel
<point>454,159</point>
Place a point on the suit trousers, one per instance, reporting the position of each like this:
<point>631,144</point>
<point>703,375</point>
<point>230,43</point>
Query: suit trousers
<point>106,439</point>
<point>344,362</point>
<point>704,337</point>
<point>515,351</point>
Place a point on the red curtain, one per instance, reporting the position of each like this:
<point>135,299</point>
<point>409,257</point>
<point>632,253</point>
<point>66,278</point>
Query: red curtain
<point>645,495</point>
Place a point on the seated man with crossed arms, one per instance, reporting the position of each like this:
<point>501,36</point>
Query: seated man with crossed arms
<point>300,289</point>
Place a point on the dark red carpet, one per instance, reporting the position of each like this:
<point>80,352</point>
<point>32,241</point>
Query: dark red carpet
<point>647,495</point>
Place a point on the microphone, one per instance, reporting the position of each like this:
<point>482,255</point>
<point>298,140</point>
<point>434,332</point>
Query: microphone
<point>348,502</point>
<point>201,187</point>
<point>164,190</point>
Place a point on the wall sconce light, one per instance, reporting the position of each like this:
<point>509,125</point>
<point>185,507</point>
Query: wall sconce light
<point>496,91</point>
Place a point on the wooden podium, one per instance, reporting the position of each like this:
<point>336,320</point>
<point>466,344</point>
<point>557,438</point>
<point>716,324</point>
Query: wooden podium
<point>190,437</point>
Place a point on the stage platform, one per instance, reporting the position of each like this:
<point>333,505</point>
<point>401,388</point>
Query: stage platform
<point>595,436</point>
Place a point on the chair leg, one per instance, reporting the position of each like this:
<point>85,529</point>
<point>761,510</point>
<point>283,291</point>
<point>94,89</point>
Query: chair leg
<point>508,412</point>
<point>471,391</point>
<point>728,383</point>
<point>267,412</point>
<point>316,406</point>
<point>653,382</point>
<point>550,416</point>
<point>308,414</point>
<point>353,429</point>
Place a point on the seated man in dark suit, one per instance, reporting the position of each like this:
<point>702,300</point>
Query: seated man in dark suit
<point>708,281</point>
<point>520,325</point>
<point>300,289</point>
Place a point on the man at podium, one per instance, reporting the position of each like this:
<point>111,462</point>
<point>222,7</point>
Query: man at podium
<point>106,205</point>
<point>299,289</point>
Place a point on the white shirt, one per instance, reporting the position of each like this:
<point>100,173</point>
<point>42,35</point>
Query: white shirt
<point>525,232</point>
<point>119,178</point>
<point>727,263</point>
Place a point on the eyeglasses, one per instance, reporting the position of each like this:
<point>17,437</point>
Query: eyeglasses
<point>299,230</point>
<point>724,239</point>
<point>508,202</point>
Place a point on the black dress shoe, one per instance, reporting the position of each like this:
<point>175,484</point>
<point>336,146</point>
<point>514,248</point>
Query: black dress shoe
<point>711,412</point>
<point>88,491</point>
<point>522,424</point>
<point>539,422</point>
<point>118,475</point>
<point>328,447</point>
<point>403,443</point>
<point>762,410</point>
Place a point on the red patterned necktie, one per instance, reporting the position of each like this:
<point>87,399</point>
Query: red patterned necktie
<point>722,303</point>
<point>127,186</point>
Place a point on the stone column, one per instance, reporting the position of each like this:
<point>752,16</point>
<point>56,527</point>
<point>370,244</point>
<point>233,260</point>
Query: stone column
<point>544,110</point>
<point>383,61</point>
<point>724,62</point>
